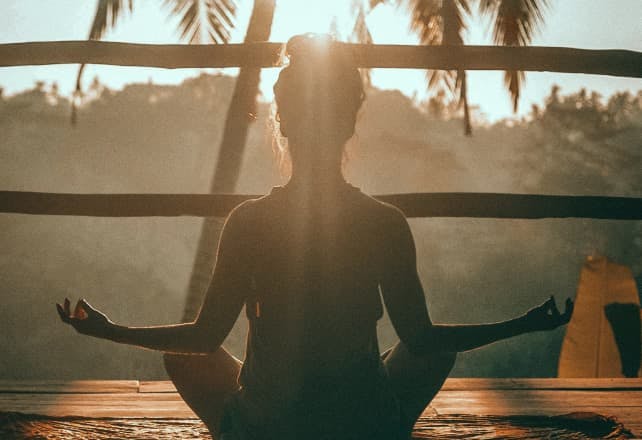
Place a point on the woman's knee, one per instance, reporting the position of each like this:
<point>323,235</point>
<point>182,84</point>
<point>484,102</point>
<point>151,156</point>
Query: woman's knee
<point>405,366</point>
<point>447,359</point>
<point>204,382</point>
<point>439,364</point>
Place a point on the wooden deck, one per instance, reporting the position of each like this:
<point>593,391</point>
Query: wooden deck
<point>621,398</point>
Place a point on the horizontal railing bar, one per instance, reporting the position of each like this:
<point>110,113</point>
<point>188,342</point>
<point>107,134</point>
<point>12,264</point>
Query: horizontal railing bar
<point>473,205</point>
<point>174,56</point>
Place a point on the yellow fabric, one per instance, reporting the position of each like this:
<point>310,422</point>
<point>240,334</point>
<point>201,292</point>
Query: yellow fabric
<point>589,348</point>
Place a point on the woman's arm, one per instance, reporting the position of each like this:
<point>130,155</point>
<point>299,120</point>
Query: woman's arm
<point>471,336</point>
<point>181,338</point>
<point>406,304</point>
<point>222,304</point>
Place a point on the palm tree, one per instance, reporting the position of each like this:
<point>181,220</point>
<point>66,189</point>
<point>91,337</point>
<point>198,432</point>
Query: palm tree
<point>201,21</point>
<point>435,22</point>
<point>443,22</point>
<point>240,114</point>
<point>515,23</point>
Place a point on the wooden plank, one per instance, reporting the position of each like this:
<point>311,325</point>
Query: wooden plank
<point>133,405</point>
<point>634,426</point>
<point>629,417</point>
<point>156,386</point>
<point>451,384</point>
<point>170,405</point>
<point>544,398</point>
<point>480,205</point>
<point>102,398</point>
<point>66,387</point>
<point>176,56</point>
<point>621,398</point>
<point>624,415</point>
<point>564,398</point>
<point>613,384</point>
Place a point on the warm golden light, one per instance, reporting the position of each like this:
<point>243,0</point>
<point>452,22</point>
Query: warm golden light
<point>34,20</point>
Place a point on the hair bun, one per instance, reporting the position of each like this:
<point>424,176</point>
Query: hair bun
<point>309,47</point>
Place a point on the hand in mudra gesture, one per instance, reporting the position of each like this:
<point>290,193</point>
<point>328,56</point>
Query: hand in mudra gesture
<point>85,319</point>
<point>547,316</point>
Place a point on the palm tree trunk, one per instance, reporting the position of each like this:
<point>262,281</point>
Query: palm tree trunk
<point>240,115</point>
<point>468,127</point>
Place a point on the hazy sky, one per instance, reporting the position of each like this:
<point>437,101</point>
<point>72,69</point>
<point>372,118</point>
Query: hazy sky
<point>571,23</point>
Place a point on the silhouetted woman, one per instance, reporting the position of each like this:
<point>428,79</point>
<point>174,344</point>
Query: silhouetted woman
<point>311,262</point>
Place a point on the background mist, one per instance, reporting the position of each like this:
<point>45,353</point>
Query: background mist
<point>164,139</point>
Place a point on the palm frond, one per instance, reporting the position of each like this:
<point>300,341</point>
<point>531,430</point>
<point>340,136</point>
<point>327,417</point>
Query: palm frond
<point>361,34</point>
<point>204,20</point>
<point>425,20</point>
<point>442,22</point>
<point>515,22</point>
<point>360,31</point>
<point>374,3</point>
<point>108,12</point>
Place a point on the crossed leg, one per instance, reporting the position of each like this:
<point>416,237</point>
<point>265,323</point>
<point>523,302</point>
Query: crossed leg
<point>416,379</point>
<point>205,382</point>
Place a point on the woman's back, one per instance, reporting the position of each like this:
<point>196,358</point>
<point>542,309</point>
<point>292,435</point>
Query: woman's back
<point>309,261</point>
<point>312,353</point>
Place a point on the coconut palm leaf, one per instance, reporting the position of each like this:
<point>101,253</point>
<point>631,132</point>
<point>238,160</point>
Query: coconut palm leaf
<point>108,12</point>
<point>203,20</point>
<point>200,21</point>
<point>453,27</point>
<point>241,113</point>
<point>515,24</point>
<point>361,34</point>
<point>442,22</point>
<point>360,31</point>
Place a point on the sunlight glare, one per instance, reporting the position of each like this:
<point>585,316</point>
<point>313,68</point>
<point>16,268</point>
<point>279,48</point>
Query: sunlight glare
<point>298,17</point>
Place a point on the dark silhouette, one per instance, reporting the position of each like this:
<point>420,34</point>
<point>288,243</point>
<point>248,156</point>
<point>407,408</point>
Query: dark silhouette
<point>625,323</point>
<point>310,262</point>
<point>240,114</point>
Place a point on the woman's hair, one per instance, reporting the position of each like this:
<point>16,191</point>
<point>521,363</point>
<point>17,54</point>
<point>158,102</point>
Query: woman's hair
<point>319,93</point>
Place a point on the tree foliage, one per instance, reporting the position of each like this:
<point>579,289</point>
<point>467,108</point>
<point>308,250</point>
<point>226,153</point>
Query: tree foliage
<point>497,268</point>
<point>515,24</point>
<point>444,22</point>
<point>200,21</point>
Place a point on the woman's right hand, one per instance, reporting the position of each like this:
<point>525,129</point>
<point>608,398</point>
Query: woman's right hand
<point>547,316</point>
<point>85,319</point>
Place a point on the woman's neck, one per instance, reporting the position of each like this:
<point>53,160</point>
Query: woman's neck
<point>316,177</point>
<point>316,165</point>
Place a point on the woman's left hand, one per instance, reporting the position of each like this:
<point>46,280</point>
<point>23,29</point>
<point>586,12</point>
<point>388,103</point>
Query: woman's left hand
<point>547,316</point>
<point>85,319</point>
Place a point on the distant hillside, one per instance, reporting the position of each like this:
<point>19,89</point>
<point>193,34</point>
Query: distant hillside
<point>151,138</point>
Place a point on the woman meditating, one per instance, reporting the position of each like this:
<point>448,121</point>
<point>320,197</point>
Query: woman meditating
<point>311,263</point>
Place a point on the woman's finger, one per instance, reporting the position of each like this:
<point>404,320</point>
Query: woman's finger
<point>79,311</point>
<point>89,310</point>
<point>67,307</point>
<point>63,316</point>
<point>554,310</point>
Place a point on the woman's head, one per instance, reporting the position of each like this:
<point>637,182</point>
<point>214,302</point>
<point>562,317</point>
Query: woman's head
<point>318,96</point>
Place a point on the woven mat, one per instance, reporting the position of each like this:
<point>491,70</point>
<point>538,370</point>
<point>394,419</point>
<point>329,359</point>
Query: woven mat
<point>463,426</point>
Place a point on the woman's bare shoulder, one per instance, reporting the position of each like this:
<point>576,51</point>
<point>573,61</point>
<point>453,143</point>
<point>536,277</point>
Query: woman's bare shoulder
<point>242,215</point>
<point>387,213</point>
<point>251,211</point>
